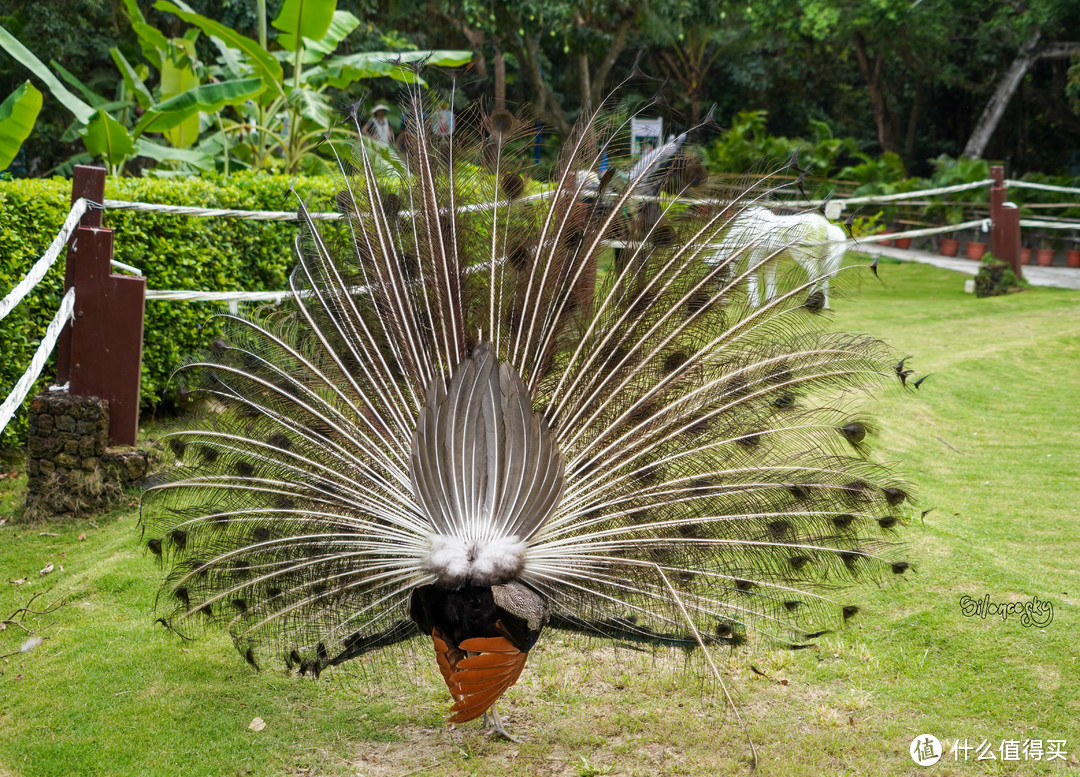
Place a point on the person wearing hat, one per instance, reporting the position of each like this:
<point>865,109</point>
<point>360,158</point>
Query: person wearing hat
<point>379,126</point>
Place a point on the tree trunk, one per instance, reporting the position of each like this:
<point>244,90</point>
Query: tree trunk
<point>622,36</point>
<point>999,101</point>
<point>547,104</point>
<point>688,75</point>
<point>585,88</point>
<point>500,77</point>
<point>871,72</point>
<point>913,122</point>
<point>476,43</point>
<point>1006,88</point>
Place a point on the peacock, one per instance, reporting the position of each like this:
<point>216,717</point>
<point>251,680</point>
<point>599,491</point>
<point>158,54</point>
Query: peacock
<point>494,405</point>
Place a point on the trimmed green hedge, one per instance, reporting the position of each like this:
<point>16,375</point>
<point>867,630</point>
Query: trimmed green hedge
<point>173,252</point>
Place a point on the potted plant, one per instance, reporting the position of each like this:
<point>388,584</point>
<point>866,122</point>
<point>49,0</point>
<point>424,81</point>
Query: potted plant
<point>1044,254</point>
<point>975,249</point>
<point>949,208</point>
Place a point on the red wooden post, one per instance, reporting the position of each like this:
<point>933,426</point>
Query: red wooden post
<point>103,353</point>
<point>88,182</point>
<point>1004,223</point>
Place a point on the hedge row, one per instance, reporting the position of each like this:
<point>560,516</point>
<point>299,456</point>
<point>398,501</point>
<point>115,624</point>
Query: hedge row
<point>173,252</point>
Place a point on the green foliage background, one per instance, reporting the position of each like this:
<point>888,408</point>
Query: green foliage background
<point>173,252</point>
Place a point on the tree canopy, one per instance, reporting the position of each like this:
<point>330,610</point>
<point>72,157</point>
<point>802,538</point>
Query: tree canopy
<point>916,78</point>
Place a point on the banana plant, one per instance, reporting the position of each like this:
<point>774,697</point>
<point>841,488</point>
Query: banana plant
<point>17,116</point>
<point>245,111</point>
<point>109,129</point>
<point>292,116</point>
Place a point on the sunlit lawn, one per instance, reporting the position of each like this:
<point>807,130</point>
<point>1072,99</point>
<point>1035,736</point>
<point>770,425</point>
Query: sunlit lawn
<point>991,439</point>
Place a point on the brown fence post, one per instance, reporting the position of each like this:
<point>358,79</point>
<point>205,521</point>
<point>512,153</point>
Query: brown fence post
<point>103,353</point>
<point>1004,222</point>
<point>87,182</point>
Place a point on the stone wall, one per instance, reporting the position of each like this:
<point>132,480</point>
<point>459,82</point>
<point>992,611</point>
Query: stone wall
<point>70,468</point>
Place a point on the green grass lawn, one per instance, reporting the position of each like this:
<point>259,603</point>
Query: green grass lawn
<point>991,440</point>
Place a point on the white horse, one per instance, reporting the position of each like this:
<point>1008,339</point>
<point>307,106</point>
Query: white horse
<point>809,239</point>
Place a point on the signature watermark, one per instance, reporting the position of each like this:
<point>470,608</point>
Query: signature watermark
<point>1034,612</point>
<point>927,750</point>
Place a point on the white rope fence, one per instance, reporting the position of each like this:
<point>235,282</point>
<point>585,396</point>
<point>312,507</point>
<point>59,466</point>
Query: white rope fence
<point>1046,187</point>
<point>292,215</point>
<point>187,210</point>
<point>42,265</point>
<point>125,267</point>
<point>169,295</point>
<point>14,400</point>
<point>288,215</point>
<point>45,347</point>
<point>981,224</point>
<point>52,331</point>
<point>165,295</point>
<point>875,199</point>
<point>1041,224</point>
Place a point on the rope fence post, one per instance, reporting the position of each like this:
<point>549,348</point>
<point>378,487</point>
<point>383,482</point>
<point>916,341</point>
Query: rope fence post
<point>1004,223</point>
<point>89,183</point>
<point>103,353</point>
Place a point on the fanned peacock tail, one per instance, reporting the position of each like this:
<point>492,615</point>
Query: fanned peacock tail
<point>483,383</point>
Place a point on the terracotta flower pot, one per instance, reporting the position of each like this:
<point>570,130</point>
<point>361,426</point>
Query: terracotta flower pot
<point>1044,256</point>
<point>883,234</point>
<point>1025,256</point>
<point>949,247</point>
<point>975,250</point>
<point>902,242</point>
<point>1072,258</point>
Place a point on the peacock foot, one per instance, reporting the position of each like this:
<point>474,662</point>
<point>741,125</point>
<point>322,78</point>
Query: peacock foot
<point>495,727</point>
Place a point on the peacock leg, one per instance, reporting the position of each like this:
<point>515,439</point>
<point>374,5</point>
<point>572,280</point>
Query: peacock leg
<point>497,728</point>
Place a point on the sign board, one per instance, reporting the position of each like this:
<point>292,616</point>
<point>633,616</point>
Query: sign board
<point>645,135</point>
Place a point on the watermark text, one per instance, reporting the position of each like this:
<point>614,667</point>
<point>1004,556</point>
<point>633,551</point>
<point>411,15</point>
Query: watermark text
<point>1034,612</point>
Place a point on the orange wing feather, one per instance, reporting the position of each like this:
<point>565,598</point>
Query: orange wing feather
<point>476,681</point>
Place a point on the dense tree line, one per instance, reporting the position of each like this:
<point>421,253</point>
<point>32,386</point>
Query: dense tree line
<point>982,78</point>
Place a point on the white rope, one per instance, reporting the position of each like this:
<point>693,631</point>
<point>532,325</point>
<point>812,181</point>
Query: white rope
<point>1044,186</point>
<point>873,199</point>
<point>42,265</point>
<point>287,215</point>
<point>29,378</point>
<point>126,267</point>
<point>983,224</point>
<point>187,210</point>
<point>278,215</point>
<point>169,295</point>
<point>1040,224</point>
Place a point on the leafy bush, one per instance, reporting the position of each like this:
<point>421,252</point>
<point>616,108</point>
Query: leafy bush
<point>948,208</point>
<point>995,278</point>
<point>173,252</point>
<point>746,145</point>
<point>1028,197</point>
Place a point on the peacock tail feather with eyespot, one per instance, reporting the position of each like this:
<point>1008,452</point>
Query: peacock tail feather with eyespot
<point>493,406</point>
